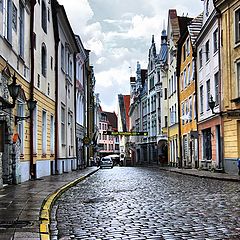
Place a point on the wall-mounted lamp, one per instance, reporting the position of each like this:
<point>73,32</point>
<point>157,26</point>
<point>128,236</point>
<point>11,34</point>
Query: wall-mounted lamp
<point>31,106</point>
<point>14,90</point>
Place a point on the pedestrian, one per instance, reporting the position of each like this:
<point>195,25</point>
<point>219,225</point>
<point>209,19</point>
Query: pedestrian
<point>238,166</point>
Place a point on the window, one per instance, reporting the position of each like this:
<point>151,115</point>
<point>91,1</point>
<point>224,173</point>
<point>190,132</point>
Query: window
<point>208,93</point>
<point>21,29</point>
<point>14,17</point>
<point>187,110</point>
<point>52,135</point>
<point>207,49</point>
<point>193,70</point>
<point>62,56</point>
<point>237,26</point>
<point>184,52</point>
<point>188,74</point>
<point>8,26</point>
<point>201,99</point>
<point>188,47</point>
<point>1,5</point>
<point>44,60</point>
<point>194,106</point>
<point>151,83</point>
<point>185,147</point>
<point>183,112</point>
<point>174,82</point>
<point>200,59</point>
<point>215,40</point>
<point>63,125</point>
<point>35,131</point>
<point>185,78</point>
<point>166,121</point>
<point>207,144</point>
<point>48,15</point>
<point>238,79</point>
<point>44,17</point>
<point>70,69</point>
<point>190,109</point>
<point>44,132</point>
<point>20,124</point>
<point>165,97</point>
<point>216,82</point>
<point>51,63</point>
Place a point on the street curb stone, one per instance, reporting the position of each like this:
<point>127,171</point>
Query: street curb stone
<point>49,201</point>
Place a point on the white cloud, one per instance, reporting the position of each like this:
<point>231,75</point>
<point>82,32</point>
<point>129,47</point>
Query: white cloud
<point>119,33</point>
<point>78,14</point>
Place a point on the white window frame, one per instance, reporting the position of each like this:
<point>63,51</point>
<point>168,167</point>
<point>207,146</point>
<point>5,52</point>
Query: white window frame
<point>63,125</point>
<point>21,28</point>
<point>44,132</point>
<point>52,137</point>
<point>35,131</point>
<point>20,124</point>
<point>237,26</point>
<point>238,79</point>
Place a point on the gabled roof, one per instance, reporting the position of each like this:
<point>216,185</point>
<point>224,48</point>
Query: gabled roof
<point>195,27</point>
<point>112,118</point>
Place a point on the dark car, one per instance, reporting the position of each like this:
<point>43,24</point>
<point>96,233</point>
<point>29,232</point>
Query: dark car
<point>106,162</point>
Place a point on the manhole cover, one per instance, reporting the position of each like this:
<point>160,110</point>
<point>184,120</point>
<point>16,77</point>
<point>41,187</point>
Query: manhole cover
<point>14,224</point>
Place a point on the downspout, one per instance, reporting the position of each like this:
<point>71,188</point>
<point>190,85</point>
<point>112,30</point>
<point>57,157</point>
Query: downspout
<point>179,107</point>
<point>219,16</point>
<point>196,99</point>
<point>32,39</point>
<point>56,43</point>
<point>75,108</point>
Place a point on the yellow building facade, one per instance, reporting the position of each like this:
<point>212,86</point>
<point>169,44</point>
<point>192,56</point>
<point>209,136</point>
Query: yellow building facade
<point>230,75</point>
<point>187,95</point>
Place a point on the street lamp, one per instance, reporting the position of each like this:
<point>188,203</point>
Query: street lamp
<point>31,106</point>
<point>14,90</point>
<point>211,104</point>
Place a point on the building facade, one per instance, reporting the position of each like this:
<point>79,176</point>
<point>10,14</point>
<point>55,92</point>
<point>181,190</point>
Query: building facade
<point>81,78</point>
<point>187,94</point>
<point>229,19</point>
<point>208,87</point>
<point>15,64</point>
<point>65,126</point>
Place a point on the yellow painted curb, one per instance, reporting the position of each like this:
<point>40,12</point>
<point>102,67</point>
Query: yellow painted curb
<point>48,203</point>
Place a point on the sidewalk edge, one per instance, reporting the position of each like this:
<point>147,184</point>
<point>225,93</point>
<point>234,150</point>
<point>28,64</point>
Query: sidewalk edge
<point>48,202</point>
<point>226,178</point>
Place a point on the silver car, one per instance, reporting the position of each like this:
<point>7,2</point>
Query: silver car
<point>106,162</point>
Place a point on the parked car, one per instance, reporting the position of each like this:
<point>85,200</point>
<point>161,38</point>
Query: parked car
<point>106,162</point>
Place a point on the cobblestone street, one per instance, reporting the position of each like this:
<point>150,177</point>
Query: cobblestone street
<point>146,203</point>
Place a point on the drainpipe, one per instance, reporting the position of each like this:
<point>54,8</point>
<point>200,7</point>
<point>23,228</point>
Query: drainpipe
<point>75,107</point>
<point>221,157</point>
<point>54,6</point>
<point>196,100</point>
<point>32,164</point>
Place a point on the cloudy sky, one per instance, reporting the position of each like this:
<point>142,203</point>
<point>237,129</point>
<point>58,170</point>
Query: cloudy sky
<point>119,33</point>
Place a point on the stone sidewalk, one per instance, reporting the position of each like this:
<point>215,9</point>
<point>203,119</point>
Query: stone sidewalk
<point>20,205</point>
<point>203,174</point>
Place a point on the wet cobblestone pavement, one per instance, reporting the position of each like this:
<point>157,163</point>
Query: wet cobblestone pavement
<point>146,203</point>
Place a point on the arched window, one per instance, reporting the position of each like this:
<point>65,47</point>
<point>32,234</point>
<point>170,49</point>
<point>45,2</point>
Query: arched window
<point>44,17</point>
<point>44,60</point>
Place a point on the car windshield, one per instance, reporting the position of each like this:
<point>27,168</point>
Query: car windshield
<point>106,159</point>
